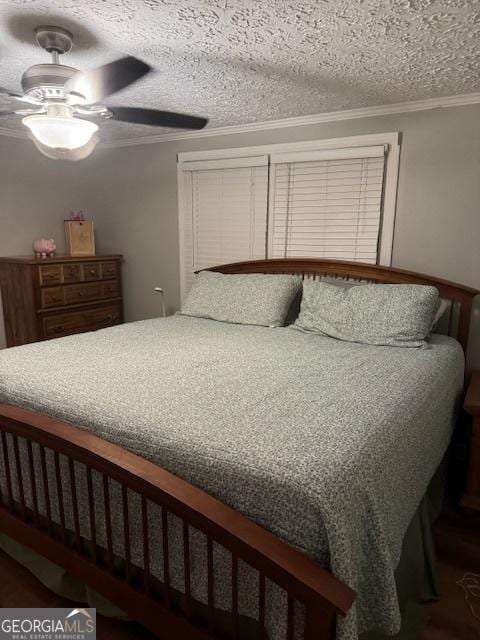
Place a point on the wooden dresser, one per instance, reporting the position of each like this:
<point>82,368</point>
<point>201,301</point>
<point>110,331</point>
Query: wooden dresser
<point>53,297</point>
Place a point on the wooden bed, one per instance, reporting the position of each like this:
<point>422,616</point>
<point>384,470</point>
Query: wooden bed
<point>134,589</point>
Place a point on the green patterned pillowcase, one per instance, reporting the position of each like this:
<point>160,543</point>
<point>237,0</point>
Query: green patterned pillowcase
<point>398,315</point>
<point>257,298</point>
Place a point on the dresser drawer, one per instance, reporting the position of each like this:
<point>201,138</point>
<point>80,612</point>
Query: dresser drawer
<point>52,297</point>
<point>72,272</point>
<point>76,293</point>
<point>106,316</point>
<point>64,324</point>
<point>109,270</point>
<point>50,274</point>
<point>91,271</point>
<point>111,289</point>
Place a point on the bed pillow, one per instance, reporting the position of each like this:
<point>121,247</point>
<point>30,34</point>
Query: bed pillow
<point>442,307</point>
<point>381,314</point>
<point>256,298</point>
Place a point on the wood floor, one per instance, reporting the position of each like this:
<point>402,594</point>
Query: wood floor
<point>458,548</point>
<point>457,541</point>
<point>19,588</point>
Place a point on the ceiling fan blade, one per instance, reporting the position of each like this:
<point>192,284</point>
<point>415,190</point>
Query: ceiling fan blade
<point>22,112</point>
<point>27,99</point>
<point>101,82</point>
<point>156,118</point>
<point>19,96</point>
<point>8,92</point>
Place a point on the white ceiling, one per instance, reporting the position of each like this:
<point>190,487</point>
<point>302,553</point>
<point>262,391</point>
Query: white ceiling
<point>238,61</point>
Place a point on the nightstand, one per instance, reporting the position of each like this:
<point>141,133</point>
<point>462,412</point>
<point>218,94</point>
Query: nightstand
<point>471,499</point>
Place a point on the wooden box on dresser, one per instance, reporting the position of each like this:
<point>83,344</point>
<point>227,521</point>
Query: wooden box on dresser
<point>47,298</point>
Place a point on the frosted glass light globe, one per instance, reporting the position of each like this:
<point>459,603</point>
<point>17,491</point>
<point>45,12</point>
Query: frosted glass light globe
<point>60,132</point>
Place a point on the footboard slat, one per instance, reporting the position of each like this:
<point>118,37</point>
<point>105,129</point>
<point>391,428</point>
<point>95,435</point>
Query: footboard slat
<point>161,608</point>
<point>8,473</point>
<point>18,467</point>
<point>186,570</point>
<point>166,556</point>
<point>290,615</point>
<point>234,597</point>
<point>61,508</point>
<point>126,535</point>
<point>317,625</point>
<point>73,493</point>
<point>46,492</point>
<point>146,546</point>
<point>261,606</point>
<point>91,509</point>
<point>210,587</point>
<point>33,483</point>
<point>108,522</point>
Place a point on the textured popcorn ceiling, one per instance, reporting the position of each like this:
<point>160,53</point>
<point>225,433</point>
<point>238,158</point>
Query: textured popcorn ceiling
<point>239,61</point>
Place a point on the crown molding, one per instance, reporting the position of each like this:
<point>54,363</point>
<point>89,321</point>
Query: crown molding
<point>299,121</point>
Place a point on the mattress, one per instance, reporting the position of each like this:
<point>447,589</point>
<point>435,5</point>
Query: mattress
<point>330,445</point>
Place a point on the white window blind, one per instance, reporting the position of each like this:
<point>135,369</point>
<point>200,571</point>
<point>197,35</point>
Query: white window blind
<point>226,213</point>
<point>326,203</point>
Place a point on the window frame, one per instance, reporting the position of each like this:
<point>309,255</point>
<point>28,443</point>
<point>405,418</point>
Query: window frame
<point>392,162</point>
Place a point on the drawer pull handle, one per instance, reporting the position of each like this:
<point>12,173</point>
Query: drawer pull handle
<point>58,329</point>
<point>93,272</point>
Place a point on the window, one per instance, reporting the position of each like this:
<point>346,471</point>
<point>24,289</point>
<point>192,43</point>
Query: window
<point>327,204</point>
<point>331,199</point>
<point>227,213</point>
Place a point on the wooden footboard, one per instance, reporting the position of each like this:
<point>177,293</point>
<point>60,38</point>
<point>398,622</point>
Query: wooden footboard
<point>134,589</point>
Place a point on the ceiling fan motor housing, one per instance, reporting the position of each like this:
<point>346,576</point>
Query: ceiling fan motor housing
<point>46,80</point>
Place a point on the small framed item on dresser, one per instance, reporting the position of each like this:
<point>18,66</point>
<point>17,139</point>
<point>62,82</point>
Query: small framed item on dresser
<point>80,237</point>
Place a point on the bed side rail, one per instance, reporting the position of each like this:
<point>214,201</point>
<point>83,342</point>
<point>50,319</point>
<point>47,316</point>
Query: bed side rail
<point>323,596</point>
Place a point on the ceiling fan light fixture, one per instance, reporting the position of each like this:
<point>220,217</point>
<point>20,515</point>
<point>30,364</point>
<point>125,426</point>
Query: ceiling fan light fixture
<point>66,154</point>
<point>59,132</point>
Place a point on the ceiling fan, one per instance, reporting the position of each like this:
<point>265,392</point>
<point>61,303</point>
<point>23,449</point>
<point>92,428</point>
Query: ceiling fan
<point>65,104</point>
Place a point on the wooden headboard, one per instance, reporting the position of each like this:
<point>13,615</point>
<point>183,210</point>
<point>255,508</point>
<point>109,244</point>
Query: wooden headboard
<point>461,297</point>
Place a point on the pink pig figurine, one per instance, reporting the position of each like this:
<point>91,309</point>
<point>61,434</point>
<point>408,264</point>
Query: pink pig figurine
<point>44,248</point>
